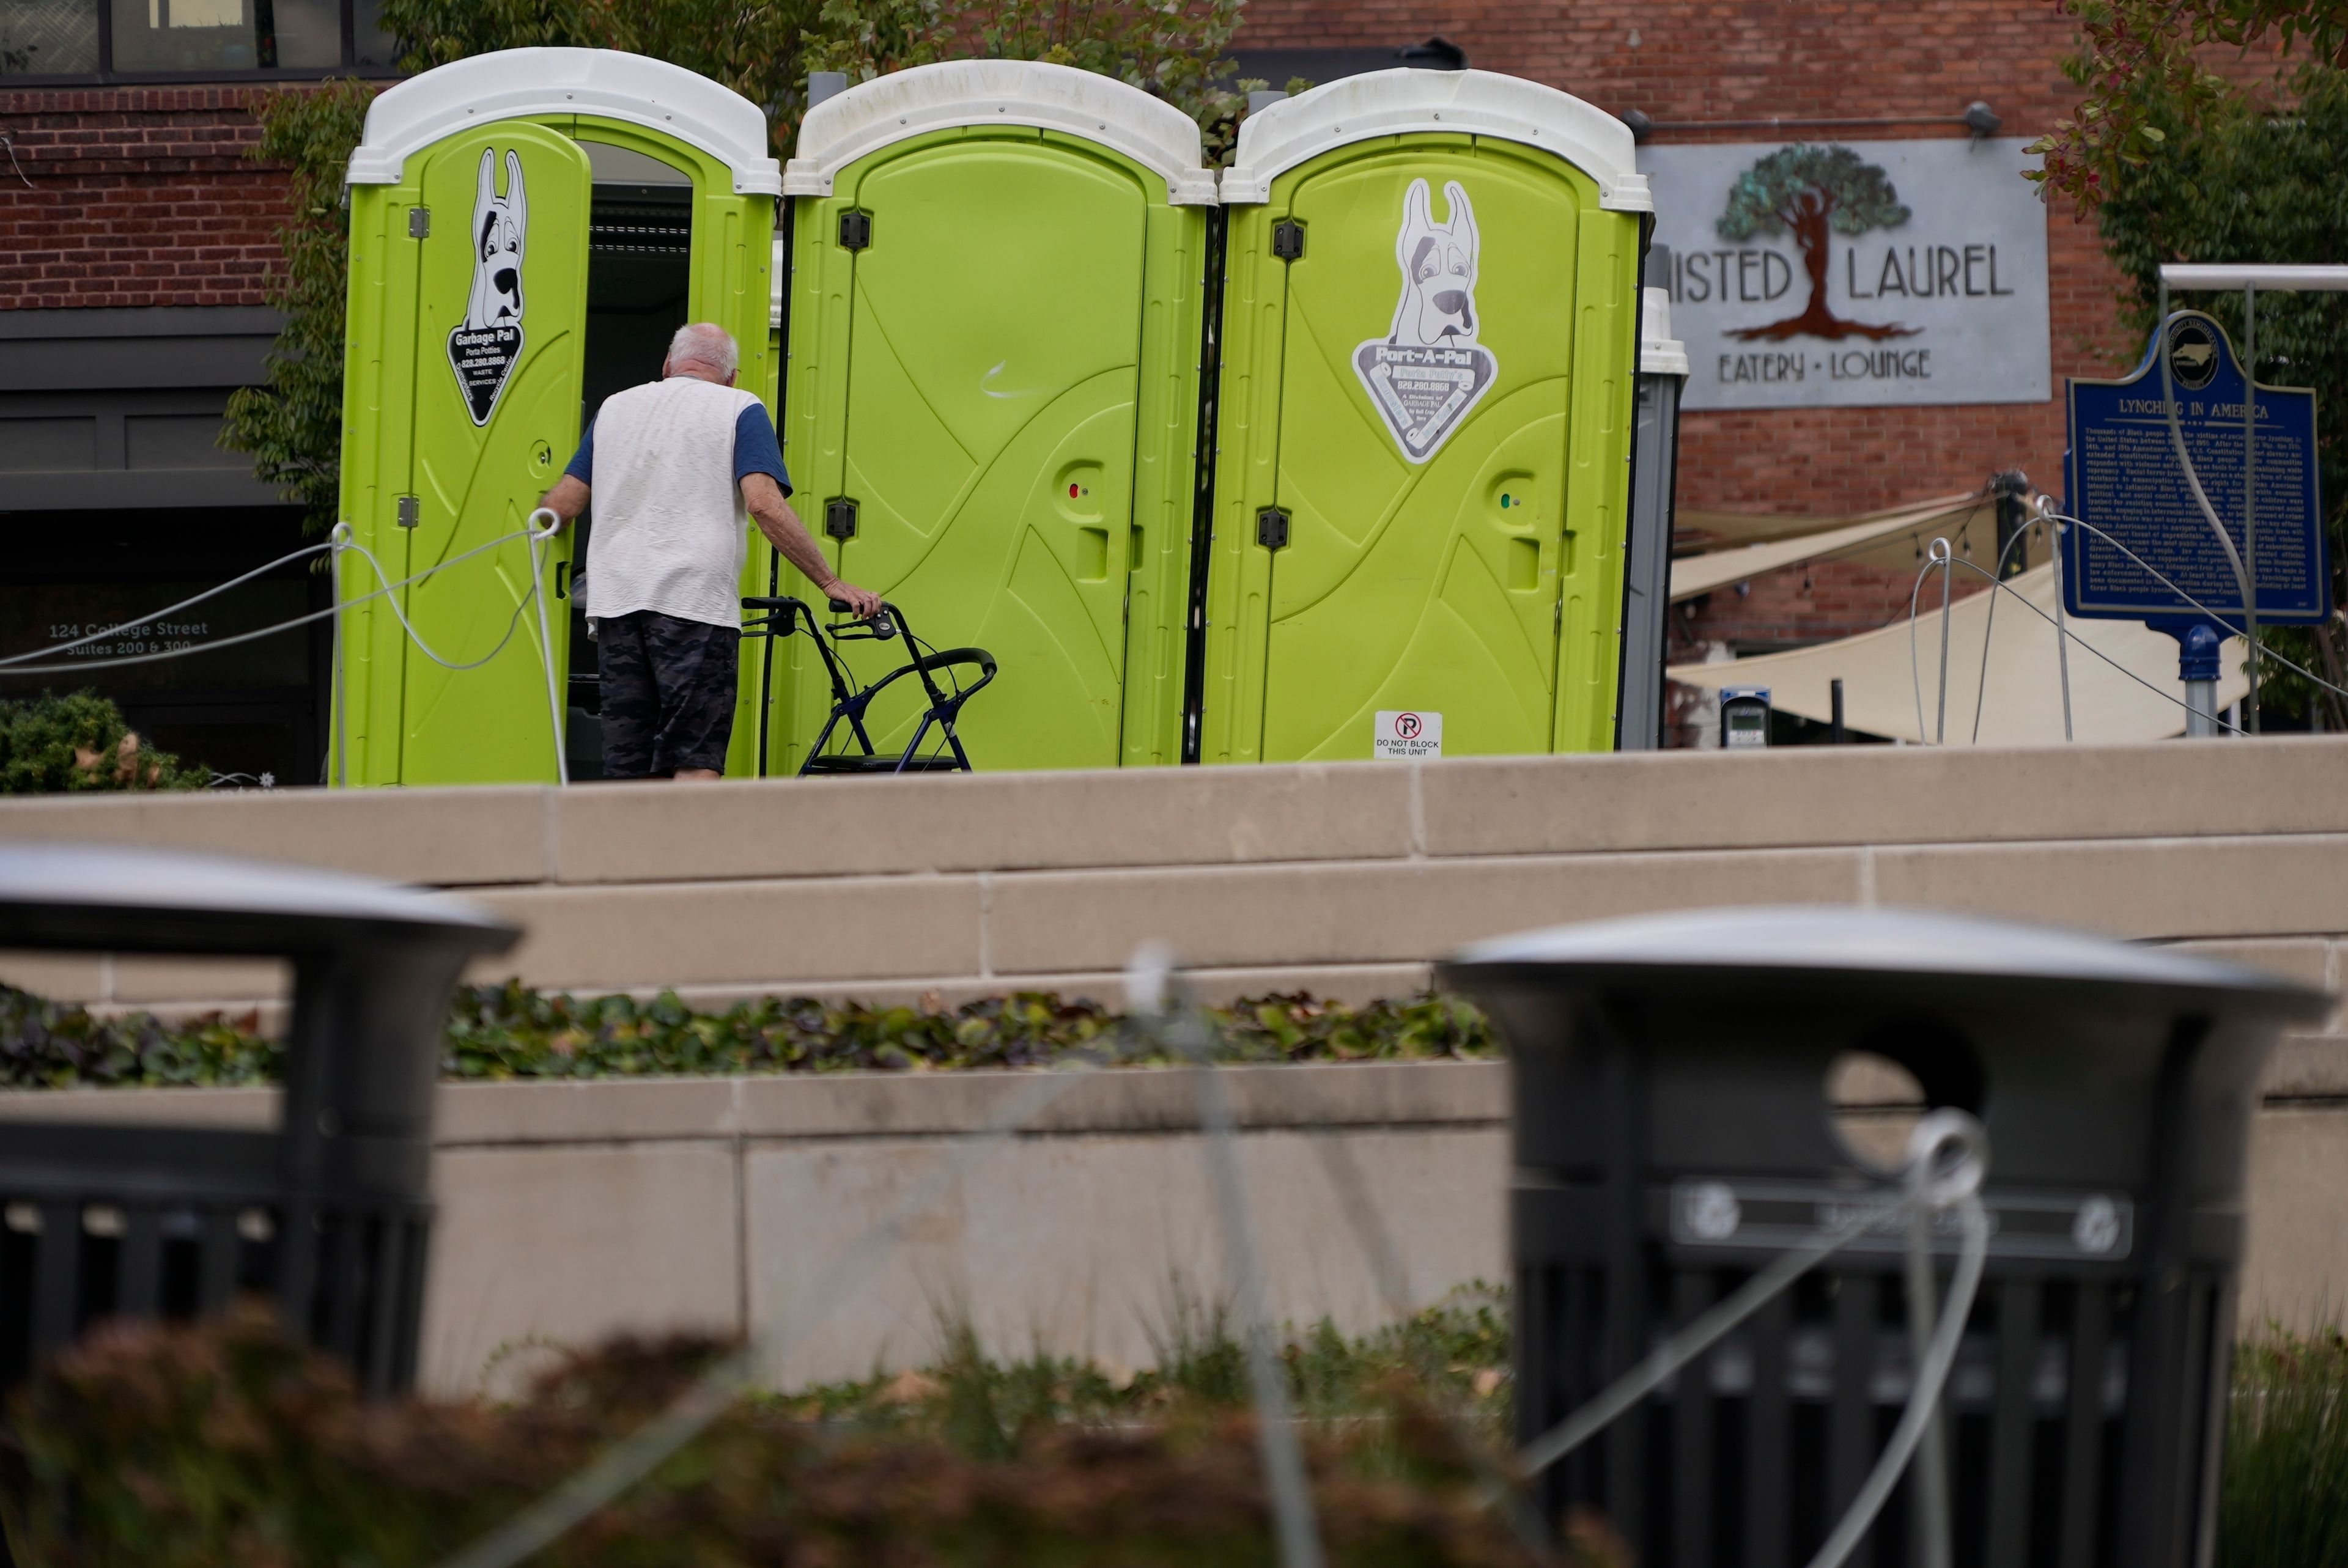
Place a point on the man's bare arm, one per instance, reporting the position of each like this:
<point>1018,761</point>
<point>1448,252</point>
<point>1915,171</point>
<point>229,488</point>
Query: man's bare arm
<point>788,534</point>
<point>567,499</point>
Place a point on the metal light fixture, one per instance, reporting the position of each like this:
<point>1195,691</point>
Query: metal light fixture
<point>1981,119</point>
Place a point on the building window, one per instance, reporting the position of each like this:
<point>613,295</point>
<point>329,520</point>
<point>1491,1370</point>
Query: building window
<point>190,40</point>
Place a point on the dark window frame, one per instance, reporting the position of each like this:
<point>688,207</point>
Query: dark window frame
<point>106,76</point>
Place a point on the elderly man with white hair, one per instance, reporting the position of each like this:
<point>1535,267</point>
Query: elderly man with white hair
<point>673,464</point>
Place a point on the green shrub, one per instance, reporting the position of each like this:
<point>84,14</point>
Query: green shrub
<point>513,1031</point>
<point>510,1030</point>
<point>193,1447</point>
<point>45,1045</point>
<point>53,746</point>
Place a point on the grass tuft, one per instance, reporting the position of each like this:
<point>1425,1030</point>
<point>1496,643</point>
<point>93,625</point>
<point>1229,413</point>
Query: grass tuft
<point>2284,1502</point>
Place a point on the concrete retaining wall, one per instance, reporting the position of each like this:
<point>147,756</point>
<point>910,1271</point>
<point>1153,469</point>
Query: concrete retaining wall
<point>571,1209</point>
<point>1347,878</point>
<point>861,1210</point>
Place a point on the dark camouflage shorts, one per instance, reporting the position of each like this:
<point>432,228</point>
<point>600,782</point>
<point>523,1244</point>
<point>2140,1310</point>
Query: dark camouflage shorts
<point>668,688</point>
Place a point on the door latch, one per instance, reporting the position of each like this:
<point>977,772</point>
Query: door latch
<point>562,580</point>
<point>419,222</point>
<point>1272,528</point>
<point>1288,240</point>
<point>411,511</point>
<point>839,519</point>
<point>855,230</point>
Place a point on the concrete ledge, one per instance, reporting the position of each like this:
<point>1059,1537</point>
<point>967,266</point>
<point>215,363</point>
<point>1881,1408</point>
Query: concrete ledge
<point>1126,1100</point>
<point>1380,911</point>
<point>850,1104</point>
<point>232,1109</point>
<point>1347,878</point>
<point>1882,795</point>
<point>1152,816</point>
<point>2234,887</point>
<point>446,838</point>
<point>768,933</point>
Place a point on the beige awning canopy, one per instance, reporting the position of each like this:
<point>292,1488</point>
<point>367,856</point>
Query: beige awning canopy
<point>1898,536</point>
<point>1722,531</point>
<point>1890,690</point>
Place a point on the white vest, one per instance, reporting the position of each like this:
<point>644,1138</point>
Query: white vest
<point>669,528</point>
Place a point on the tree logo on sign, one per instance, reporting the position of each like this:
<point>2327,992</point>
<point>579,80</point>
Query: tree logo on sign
<point>1814,192</point>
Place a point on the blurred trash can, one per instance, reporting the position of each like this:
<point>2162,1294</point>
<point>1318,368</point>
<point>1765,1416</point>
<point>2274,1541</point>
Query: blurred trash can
<point>330,1214</point>
<point>1676,1127</point>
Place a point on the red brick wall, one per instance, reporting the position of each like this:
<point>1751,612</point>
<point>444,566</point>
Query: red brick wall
<point>142,196</point>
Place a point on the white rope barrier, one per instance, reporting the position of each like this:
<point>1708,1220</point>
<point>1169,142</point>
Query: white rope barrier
<point>1149,983</point>
<point>536,537</point>
<point>311,619</point>
<point>1945,561</point>
<point>340,542</point>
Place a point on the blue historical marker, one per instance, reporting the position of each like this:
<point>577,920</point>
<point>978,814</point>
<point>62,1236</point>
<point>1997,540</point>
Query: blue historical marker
<point>2125,478</point>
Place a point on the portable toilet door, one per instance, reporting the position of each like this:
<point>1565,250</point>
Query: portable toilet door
<point>1430,332</point>
<point>527,229</point>
<point>991,391</point>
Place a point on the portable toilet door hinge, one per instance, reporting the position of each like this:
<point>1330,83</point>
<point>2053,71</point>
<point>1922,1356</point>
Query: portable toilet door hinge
<point>855,230</point>
<point>411,511</point>
<point>1288,240</point>
<point>1272,528</point>
<point>419,222</point>
<point>839,519</point>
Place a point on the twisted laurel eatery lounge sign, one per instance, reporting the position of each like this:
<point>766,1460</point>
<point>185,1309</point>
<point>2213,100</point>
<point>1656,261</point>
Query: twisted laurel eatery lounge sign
<point>1841,274</point>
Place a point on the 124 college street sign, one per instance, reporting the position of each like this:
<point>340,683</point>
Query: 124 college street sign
<point>1837,274</point>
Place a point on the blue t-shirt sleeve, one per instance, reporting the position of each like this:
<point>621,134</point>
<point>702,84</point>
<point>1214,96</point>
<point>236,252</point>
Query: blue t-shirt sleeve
<point>755,450</point>
<point>582,464</point>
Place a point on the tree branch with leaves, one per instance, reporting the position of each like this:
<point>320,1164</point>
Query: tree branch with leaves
<point>2216,171</point>
<point>2141,61</point>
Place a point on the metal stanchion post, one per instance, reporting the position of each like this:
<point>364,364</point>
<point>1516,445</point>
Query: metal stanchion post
<point>2197,666</point>
<point>1947,557</point>
<point>2062,622</point>
<point>2251,487</point>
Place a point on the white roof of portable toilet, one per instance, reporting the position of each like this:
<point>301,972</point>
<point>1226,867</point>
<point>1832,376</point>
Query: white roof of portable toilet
<point>870,114</point>
<point>1278,137</point>
<point>513,83</point>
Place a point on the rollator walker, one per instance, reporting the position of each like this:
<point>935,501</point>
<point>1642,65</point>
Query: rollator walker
<point>940,674</point>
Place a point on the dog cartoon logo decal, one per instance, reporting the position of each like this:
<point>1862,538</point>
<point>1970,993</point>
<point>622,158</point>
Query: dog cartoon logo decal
<point>484,347</point>
<point>1428,370</point>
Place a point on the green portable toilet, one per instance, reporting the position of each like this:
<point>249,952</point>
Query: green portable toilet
<point>527,229</point>
<point>1430,336</point>
<point>992,397</point>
